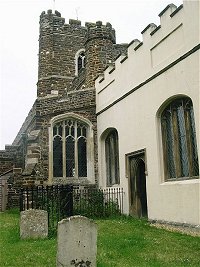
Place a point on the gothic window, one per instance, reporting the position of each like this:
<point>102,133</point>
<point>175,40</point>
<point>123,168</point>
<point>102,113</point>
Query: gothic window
<point>80,61</point>
<point>70,149</point>
<point>179,140</point>
<point>112,158</point>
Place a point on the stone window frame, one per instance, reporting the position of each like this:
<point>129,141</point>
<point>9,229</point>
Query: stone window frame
<point>76,60</point>
<point>171,146</point>
<point>90,151</point>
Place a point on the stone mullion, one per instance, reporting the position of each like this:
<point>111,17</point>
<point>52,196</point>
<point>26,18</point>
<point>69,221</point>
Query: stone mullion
<point>76,150</point>
<point>189,141</point>
<point>165,153</point>
<point>116,148</point>
<point>64,149</point>
<point>176,143</point>
<point>107,154</point>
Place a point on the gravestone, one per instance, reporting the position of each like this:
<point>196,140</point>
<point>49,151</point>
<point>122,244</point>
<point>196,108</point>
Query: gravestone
<point>33,224</point>
<point>77,242</point>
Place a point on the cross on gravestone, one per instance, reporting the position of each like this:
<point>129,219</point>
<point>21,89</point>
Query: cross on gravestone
<point>77,242</point>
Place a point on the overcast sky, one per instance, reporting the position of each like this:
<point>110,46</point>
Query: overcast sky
<point>19,32</point>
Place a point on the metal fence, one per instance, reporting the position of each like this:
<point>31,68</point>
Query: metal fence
<point>61,201</point>
<point>56,200</point>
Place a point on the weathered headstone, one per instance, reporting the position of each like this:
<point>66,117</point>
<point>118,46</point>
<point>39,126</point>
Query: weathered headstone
<point>77,242</point>
<point>33,224</point>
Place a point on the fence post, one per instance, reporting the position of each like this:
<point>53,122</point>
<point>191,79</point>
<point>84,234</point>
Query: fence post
<point>32,197</point>
<point>70,201</point>
<point>21,202</point>
<point>27,198</point>
<point>66,200</point>
<point>47,203</point>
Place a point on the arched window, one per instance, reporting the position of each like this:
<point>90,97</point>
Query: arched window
<point>179,140</point>
<point>79,61</point>
<point>70,148</point>
<point>112,158</point>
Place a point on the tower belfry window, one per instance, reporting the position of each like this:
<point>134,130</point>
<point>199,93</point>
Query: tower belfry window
<point>79,61</point>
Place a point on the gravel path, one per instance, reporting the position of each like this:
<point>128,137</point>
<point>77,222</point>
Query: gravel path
<point>193,231</point>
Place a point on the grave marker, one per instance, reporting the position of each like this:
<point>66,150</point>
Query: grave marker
<point>33,224</point>
<point>77,242</point>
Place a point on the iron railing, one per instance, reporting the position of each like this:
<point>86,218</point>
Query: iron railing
<point>56,200</point>
<point>61,201</point>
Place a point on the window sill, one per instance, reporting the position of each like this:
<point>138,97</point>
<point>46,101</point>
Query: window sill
<point>112,185</point>
<point>72,180</point>
<point>182,182</point>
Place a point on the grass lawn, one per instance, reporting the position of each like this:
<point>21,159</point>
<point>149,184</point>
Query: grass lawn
<point>121,242</point>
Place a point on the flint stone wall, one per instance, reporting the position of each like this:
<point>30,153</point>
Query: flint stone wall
<point>77,242</point>
<point>33,224</point>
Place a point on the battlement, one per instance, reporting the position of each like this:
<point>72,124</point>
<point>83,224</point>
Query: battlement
<point>58,45</point>
<point>55,19</point>
<point>98,24</point>
<point>49,12</point>
<point>152,35</point>
<point>49,15</point>
<point>160,46</point>
<point>98,30</point>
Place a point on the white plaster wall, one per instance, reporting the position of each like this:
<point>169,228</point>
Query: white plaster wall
<point>136,116</point>
<point>176,36</point>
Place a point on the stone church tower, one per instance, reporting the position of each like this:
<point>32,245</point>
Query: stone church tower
<point>58,141</point>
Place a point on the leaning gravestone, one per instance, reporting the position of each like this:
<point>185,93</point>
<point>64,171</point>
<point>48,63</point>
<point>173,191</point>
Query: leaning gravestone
<point>77,242</point>
<point>33,224</point>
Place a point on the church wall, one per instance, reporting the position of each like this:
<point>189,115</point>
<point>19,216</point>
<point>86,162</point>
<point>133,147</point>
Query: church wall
<point>81,102</point>
<point>58,45</point>
<point>6,161</point>
<point>61,91</point>
<point>129,97</point>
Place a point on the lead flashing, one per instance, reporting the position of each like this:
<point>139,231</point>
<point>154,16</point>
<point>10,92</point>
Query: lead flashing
<point>176,11</point>
<point>165,9</point>
<point>147,27</point>
<point>138,46</point>
<point>155,30</point>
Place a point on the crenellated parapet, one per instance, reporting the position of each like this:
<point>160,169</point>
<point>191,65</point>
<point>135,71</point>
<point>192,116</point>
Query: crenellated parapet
<point>99,49</point>
<point>49,21</point>
<point>99,31</point>
<point>58,44</point>
<point>161,46</point>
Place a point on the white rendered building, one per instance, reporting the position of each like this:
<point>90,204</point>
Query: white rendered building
<point>148,119</point>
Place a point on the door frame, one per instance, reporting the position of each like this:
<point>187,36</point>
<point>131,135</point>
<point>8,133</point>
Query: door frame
<point>139,154</point>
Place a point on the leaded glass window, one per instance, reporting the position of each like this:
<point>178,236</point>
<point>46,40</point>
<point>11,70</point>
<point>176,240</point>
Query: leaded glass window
<point>70,149</point>
<point>179,140</point>
<point>112,158</point>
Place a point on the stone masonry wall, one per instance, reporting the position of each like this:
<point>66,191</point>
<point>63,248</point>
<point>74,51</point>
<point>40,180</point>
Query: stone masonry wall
<point>99,50</point>
<point>80,102</point>
<point>58,45</point>
<point>6,161</point>
<point>27,126</point>
<point>10,158</point>
<point>59,91</point>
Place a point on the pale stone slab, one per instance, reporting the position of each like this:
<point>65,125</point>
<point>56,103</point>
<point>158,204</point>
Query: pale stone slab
<point>77,242</point>
<point>33,224</point>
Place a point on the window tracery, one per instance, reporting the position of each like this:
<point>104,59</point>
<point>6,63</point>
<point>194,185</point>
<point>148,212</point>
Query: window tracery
<point>70,149</point>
